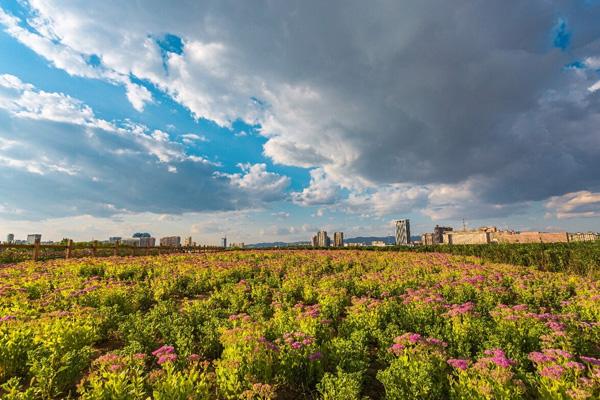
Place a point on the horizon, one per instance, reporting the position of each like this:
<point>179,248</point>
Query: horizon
<point>266,122</point>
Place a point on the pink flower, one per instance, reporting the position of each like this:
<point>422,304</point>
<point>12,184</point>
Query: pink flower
<point>296,345</point>
<point>458,363</point>
<point>437,342</point>
<point>165,358</point>
<point>193,357</point>
<point>396,348</point>
<point>540,358</point>
<point>139,356</point>
<point>575,365</point>
<point>552,372</point>
<point>314,356</point>
<point>163,350</point>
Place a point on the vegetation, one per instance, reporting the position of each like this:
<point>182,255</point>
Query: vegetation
<point>296,324</point>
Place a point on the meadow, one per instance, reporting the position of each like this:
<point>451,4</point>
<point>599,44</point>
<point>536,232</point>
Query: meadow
<point>296,324</point>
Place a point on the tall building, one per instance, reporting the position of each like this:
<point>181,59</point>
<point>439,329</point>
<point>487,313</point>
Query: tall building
<point>147,241</point>
<point>10,238</point>
<point>170,241</point>
<point>438,234</point>
<point>338,239</point>
<point>323,240</point>
<point>224,242</point>
<point>402,231</point>
<point>188,241</point>
<point>315,241</point>
<point>31,238</point>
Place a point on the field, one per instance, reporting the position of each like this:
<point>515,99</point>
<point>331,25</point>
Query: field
<point>296,324</point>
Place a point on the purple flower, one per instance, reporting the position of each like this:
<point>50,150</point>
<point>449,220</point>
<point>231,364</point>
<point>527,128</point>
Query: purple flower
<point>396,348</point>
<point>414,337</point>
<point>458,363</point>
<point>575,365</point>
<point>590,360</point>
<point>314,356</point>
<point>7,318</point>
<point>437,342</point>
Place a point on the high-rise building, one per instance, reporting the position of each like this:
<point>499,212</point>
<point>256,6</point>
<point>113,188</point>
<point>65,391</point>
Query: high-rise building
<point>147,241</point>
<point>338,239</point>
<point>10,238</point>
<point>438,234</point>
<point>402,232</point>
<point>31,238</point>
<point>224,242</point>
<point>315,241</point>
<point>188,241</point>
<point>170,241</point>
<point>323,240</point>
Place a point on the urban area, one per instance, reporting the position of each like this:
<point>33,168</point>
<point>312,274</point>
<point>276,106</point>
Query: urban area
<point>402,237</point>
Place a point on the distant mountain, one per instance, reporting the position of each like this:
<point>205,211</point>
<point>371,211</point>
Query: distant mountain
<point>276,244</point>
<point>369,239</point>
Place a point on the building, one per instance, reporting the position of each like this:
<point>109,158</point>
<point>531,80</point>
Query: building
<point>528,237</point>
<point>130,242</point>
<point>402,232</point>
<point>114,239</point>
<point>10,238</point>
<point>32,238</point>
<point>239,245</point>
<point>224,242</point>
<point>170,241</point>
<point>583,237</point>
<point>438,234</point>
<point>188,242</point>
<point>378,243</point>
<point>427,239</point>
<point>315,241</point>
<point>466,237</point>
<point>147,241</point>
<point>338,239</point>
<point>323,240</point>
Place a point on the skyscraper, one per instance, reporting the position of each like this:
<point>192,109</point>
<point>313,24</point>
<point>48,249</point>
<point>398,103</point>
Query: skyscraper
<point>188,241</point>
<point>322,239</point>
<point>10,238</point>
<point>402,232</point>
<point>224,242</point>
<point>338,239</point>
<point>147,241</point>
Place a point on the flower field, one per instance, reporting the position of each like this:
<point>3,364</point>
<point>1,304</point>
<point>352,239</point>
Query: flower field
<point>296,324</point>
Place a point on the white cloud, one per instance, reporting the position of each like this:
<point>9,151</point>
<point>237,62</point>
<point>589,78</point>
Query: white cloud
<point>582,204</point>
<point>189,138</point>
<point>259,183</point>
<point>322,190</point>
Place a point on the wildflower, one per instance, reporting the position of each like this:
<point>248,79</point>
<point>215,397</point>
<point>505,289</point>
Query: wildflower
<point>139,356</point>
<point>314,356</point>
<point>590,360</point>
<point>552,372</point>
<point>575,365</point>
<point>458,363</point>
<point>540,358</point>
<point>193,357</point>
<point>437,342</point>
<point>165,358</point>
<point>163,351</point>
<point>296,345</point>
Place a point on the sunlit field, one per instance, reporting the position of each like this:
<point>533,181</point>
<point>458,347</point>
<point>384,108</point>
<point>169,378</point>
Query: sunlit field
<point>296,324</point>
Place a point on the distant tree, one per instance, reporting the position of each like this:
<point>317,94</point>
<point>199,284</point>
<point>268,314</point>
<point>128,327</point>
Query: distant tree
<point>141,234</point>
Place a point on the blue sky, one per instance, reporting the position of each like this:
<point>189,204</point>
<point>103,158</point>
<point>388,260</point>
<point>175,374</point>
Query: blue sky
<point>270,121</point>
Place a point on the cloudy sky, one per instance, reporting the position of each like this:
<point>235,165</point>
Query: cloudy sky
<point>268,120</point>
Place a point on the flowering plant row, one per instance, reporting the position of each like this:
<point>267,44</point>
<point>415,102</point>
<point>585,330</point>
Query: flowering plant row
<point>301,324</point>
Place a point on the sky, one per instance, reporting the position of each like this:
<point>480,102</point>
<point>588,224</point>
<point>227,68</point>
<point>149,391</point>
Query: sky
<point>270,120</point>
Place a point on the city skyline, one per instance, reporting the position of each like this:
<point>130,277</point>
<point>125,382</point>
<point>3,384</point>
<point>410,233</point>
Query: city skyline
<point>211,123</point>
